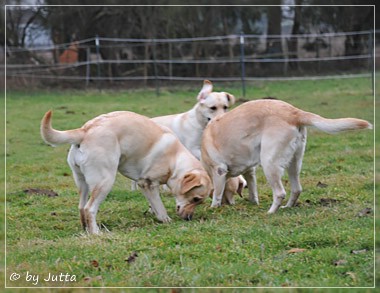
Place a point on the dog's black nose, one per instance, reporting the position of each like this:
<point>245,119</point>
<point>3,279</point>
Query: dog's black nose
<point>208,119</point>
<point>189,217</point>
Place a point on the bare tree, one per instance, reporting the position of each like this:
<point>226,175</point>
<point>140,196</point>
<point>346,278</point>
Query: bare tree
<point>19,20</point>
<point>296,29</point>
<point>274,14</point>
<point>353,16</point>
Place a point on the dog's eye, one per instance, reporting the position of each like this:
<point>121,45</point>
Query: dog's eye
<point>225,107</point>
<point>213,108</point>
<point>197,199</point>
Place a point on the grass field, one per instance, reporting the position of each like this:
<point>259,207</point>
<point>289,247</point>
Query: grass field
<point>326,241</point>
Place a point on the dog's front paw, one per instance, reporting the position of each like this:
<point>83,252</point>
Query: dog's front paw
<point>94,230</point>
<point>164,219</point>
<point>216,204</point>
<point>273,210</point>
<point>254,199</point>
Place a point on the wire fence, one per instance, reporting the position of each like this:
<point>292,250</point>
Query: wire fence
<point>105,61</point>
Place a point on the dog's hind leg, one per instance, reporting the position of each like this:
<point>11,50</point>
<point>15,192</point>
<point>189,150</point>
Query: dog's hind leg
<point>250,176</point>
<point>273,174</point>
<point>277,149</point>
<point>294,169</point>
<point>219,182</point>
<point>83,190</point>
<point>80,182</point>
<point>296,188</point>
<point>98,194</point>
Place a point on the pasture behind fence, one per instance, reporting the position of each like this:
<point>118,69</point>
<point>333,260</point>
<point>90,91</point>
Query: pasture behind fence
<point>103,60</point>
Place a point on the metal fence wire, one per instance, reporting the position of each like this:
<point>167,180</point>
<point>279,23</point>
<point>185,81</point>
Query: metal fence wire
<point>220,58</point>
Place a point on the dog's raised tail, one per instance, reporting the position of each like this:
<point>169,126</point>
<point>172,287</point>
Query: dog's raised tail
<point>333,125</point>
<point>57,137</point>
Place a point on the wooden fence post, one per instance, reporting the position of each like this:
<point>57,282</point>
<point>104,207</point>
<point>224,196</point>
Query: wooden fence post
<point>97,45</point>
<point>242,62</point>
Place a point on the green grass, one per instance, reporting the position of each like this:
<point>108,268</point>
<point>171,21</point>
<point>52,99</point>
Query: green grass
<point>233,246</point>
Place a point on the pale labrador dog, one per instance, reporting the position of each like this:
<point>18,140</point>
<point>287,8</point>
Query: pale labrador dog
<point>189,127</point>
<point>267,132</point>
<point>139,149</point>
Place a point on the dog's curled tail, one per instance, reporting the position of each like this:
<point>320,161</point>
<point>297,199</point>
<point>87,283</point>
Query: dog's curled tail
<point>333,125</point>
<point>56,137</point>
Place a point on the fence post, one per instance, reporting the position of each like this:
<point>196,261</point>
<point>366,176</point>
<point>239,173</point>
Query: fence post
<point>317,46</point>
<point>371,61</point>
<point>242,62</point>
<point>170,61</point>
<point>88,54</point>
<point>155,69</point>
<point>97,44</point>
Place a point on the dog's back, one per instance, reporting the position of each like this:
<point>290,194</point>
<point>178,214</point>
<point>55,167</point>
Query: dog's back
<point>254,117</point>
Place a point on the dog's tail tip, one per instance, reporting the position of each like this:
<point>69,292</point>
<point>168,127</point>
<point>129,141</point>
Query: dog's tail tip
<point>46,127</point>
<point>206,81</point>
<point>55,137</point>
<point>48,114</point>
<point>363,124</point>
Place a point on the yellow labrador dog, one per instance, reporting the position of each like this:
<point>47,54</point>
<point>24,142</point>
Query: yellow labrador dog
<point>267,132</point>
<point>189,127</point>
<point>139,149</point>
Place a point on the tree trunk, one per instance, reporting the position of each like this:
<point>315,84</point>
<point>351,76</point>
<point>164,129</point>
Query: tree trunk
<point>274,28</point>
<point>293,42</point>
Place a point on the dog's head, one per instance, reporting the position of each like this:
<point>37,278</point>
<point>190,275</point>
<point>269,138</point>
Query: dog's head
<point>233,185</point>
<point>212,104</point>
<point>193,189</point>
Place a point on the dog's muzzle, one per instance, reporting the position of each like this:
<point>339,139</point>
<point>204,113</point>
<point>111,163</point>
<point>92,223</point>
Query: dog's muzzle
<point>187,217</point>
<point>185,213</point>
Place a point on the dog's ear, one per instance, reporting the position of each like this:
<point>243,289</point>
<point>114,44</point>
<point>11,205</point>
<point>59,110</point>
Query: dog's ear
<point>189,182</point>
<point>240,189</point>
<point>242,183</point>
<point>206,89</point>
<point>230,99</point>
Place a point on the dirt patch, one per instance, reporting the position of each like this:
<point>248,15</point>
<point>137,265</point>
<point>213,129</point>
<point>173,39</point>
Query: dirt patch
<point>321,185</point>
<point>38,191</point>
<point>328,201</point>
<point>132,257</point>
<point>323,202</point>
<point>365,212</point>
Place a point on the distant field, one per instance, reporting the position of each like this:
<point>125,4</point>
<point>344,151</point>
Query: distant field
<point>326,241</point>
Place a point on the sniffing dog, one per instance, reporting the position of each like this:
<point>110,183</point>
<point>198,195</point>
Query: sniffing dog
<point>139,149</point>
<point>267,132</point>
